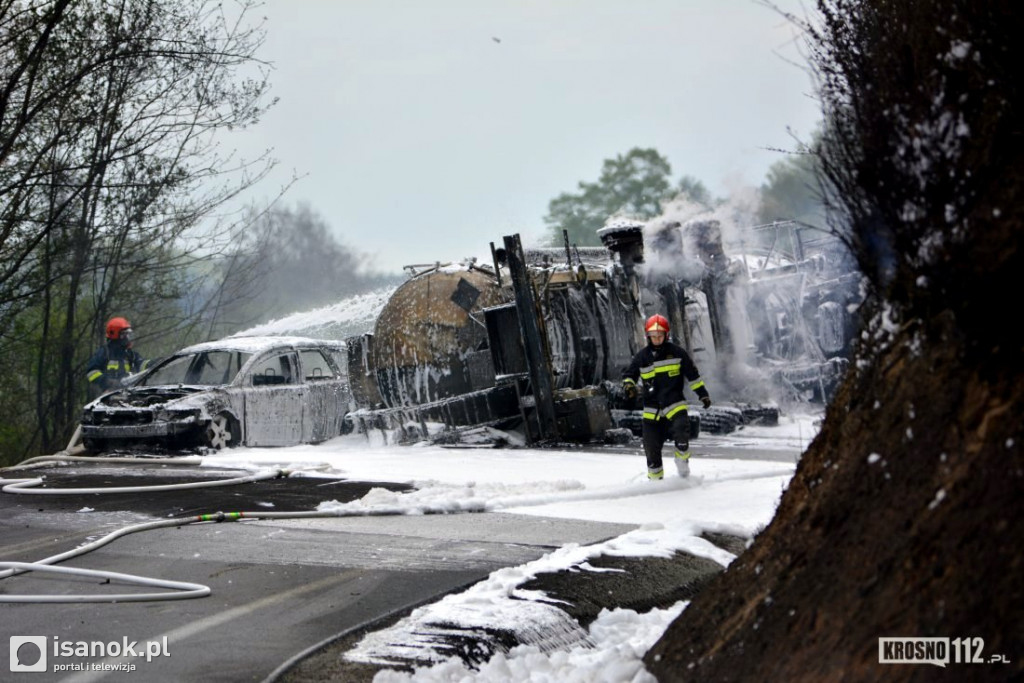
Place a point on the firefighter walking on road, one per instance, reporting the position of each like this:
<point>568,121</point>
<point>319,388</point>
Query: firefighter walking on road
<point>113,361</point>
<point>664,368</point>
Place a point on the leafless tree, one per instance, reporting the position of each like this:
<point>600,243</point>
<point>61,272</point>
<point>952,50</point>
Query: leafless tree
<point>110,173</point>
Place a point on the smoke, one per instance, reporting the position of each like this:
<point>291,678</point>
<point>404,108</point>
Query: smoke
<point>705,248</point>
<point>671,248</point>
<point>760,349</point>
<point>667,256</point>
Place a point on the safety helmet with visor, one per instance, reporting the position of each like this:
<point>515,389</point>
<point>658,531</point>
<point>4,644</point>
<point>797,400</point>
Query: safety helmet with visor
<point>119,328</point>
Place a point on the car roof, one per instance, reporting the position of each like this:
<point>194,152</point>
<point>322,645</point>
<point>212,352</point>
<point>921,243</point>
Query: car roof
<point>260,344</point>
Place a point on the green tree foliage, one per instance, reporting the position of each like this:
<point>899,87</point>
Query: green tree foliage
<point>692,189</point>
<point>633,185</point>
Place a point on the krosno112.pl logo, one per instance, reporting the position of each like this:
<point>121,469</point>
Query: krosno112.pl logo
<point>937,651</point>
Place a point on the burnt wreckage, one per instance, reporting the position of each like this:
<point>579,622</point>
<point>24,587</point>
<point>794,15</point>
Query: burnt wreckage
<point>538,340</point>
<point>253,391</point>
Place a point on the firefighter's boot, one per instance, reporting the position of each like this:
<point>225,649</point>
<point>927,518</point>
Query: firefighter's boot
<point>682,463</point>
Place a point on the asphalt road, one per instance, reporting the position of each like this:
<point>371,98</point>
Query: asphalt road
<point>277,587</point>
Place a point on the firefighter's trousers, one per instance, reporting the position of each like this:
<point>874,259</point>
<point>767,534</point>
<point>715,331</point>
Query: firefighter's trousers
<point>656,432</point>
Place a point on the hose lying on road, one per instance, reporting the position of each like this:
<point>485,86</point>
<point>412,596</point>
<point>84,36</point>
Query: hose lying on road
<point>186,590</point>
<point>183,590</point>
<point>41,460</point>
<point>29,485</point>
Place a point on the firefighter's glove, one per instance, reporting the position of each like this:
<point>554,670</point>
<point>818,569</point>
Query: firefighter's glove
<point>630,390</point>
<point>706,400</point>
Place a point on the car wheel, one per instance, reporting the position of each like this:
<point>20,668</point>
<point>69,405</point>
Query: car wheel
<point>222,432</point>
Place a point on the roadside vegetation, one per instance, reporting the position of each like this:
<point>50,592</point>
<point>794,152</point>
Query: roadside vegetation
<point>116,198</point>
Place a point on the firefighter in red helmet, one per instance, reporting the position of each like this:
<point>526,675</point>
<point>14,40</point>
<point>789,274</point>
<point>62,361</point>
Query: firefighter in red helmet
<point>114,361</point>
<point>664,368</point>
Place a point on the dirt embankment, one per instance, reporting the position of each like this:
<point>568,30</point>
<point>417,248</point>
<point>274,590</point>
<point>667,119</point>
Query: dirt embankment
<point>904,518</point>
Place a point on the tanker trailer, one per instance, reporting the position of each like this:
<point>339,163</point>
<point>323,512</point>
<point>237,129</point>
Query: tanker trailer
<point>426,365</point>
<point>570,327</point>
<point>430,340</point>
<point>449,349</point>
<point>538,341</point>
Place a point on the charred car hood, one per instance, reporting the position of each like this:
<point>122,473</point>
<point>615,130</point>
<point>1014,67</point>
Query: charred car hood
<point>144,397</point>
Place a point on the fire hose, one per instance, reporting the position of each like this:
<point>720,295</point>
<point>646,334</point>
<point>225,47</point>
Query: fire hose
<point>178,590</point>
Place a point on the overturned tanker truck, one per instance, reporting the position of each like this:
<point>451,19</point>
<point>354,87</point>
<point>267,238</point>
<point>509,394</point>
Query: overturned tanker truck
<point>535,342</point>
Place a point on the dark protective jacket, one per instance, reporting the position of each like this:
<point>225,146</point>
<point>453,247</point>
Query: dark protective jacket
<point>111,363</point>
<point>665,371</point>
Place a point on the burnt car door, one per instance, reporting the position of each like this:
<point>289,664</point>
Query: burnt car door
<point>274,400</point>
<point>325,404</point>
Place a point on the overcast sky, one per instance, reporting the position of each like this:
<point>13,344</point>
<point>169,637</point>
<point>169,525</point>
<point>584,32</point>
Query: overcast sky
<point>426,130</point>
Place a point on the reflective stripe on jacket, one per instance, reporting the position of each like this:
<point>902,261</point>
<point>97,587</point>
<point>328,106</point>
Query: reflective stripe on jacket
<point>665,371</point>
<point>112,362</point>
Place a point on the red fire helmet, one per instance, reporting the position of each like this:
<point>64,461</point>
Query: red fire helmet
<point>656,323</point>
<point>115,326</point>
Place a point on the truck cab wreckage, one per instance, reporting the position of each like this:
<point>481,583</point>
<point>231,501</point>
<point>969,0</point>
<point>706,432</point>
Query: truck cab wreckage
<point>535,342</point>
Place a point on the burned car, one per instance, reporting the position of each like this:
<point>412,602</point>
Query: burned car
<point>253,391</point>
